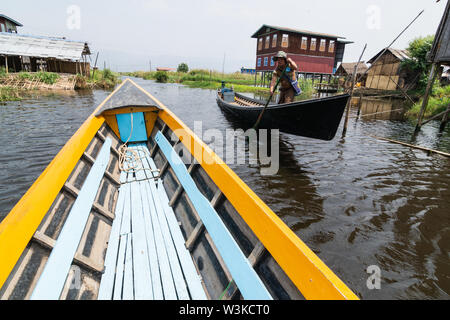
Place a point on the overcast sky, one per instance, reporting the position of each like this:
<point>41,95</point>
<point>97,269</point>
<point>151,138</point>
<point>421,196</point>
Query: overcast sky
<point>128,34</point>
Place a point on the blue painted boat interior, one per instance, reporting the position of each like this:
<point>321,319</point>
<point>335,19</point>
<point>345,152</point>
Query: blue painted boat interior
<point>138,130</point>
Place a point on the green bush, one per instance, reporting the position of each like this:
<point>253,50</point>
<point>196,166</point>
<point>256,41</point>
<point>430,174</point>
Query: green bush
<point>47,77</point>
<point>24,75</point>
<point>9,94</point>
<point>199,72</point>
<point>182,67</point>
<point>161,76</point>
<point>2,72</point>
<point>437,103</point>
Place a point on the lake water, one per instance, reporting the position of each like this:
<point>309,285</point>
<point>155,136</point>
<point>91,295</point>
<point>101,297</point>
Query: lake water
<point>355,201</point>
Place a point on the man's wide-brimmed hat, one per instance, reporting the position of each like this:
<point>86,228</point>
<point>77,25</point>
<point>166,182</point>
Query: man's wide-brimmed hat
<point>280,54</point>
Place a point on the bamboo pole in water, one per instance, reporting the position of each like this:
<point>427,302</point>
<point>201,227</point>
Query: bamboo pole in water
<point>437,115</point>
<point>349,101</point>
<point>445,154</point>
<point>444,119</point>
<point>431,79</point>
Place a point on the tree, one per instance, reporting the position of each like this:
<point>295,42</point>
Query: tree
<point>161,76</point>
<point>418,63</point>
<point>182,67</point>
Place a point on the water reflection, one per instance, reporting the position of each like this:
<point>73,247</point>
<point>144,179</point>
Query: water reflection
<point>372,108</point>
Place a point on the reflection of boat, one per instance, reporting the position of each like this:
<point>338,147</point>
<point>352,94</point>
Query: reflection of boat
<point>314,118</point>
<point>156,227</point>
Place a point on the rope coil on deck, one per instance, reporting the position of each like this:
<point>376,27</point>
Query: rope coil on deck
<point>131,157</point>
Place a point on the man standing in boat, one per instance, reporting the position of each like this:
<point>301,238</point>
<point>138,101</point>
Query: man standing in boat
<point>287,91</point>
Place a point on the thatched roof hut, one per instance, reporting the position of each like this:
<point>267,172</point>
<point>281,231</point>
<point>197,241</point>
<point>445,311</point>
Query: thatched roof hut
<point>387,73</point>
<point>346,70</point>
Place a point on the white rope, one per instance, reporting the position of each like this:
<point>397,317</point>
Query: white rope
<point>131,157</point>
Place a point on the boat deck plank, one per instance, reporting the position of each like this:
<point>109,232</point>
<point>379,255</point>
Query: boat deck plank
<point>53,278</point>
<point>195,287</point>
<point>246,278</point>
<point>147,259</point>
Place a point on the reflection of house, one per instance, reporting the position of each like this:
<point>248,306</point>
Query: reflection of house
<point>346,70</point>
<point>387,73</point>
<point>380,109</point>
<point>8,25</point>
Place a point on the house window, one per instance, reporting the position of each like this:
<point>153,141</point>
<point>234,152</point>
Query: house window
<point>260,40</point>
<point>267,42</point>
<point>259,62</point>
<point>304,44</point>
<point>331,46</point>
<point>322,44</point>
<point>274,40</point>
<point>272,63</point>
<point>313,45</point>
<point>285,41</point>
<point>266,60</point>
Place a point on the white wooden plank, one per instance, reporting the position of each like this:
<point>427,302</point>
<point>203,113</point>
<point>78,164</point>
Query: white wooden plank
<point>193,279</point>
<point>150,236</point>
<point>141,267</point>
<point>128,285</point>
<point>164,265</point>
<point>126,218</point>
<point>130,164</point>
<point>177,273</point>
<point>118,282</point>
<point>168,286</point>
<point>107,281</point>
<point>151,245</point>
<point>51,282</point>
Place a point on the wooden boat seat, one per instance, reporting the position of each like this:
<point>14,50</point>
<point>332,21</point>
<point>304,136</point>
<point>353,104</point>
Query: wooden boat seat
<point>146,256</point>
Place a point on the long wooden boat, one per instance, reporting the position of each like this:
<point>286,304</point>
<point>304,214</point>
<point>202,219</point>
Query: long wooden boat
<point>314,118</point>
<point>108,222</point>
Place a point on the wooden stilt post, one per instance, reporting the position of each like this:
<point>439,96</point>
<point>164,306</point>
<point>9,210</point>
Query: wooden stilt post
<point>431,79</point>
<point>344,131</point>
<point>359,104</point>
<point>6,63</point>
<point>444,119</point>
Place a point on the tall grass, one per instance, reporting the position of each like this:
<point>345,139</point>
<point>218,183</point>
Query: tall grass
<point>438,101</point>
<point>46,77</point>
<point>9,94</point>
<point>208,79</point>
<point>197,75</point>
<point>105,79</point>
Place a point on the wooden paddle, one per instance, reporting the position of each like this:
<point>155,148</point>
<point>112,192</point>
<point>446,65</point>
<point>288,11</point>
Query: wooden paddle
<point>255,126</point>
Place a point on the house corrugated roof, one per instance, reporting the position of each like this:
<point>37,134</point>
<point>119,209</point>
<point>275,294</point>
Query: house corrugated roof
<point>296,31</point>
<point>43,47</point>
<point>11,20</point>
